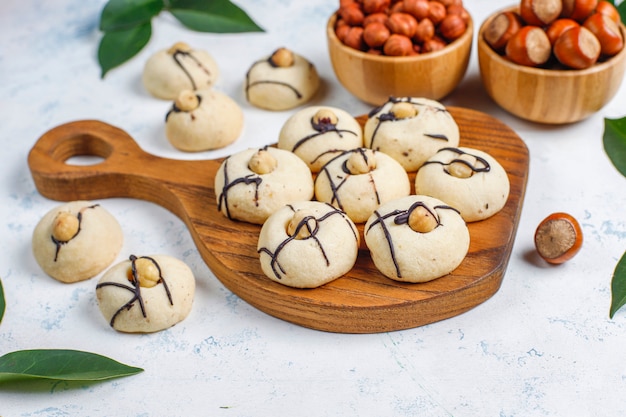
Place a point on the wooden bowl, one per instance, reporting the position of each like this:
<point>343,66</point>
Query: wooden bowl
<point>374,78</point>
<point>552,96</point>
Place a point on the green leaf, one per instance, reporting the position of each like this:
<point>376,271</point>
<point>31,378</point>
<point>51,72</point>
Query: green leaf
<point>618,286</point>
<point>65,365</point>
<point>622,10</point>
<point>124,14</point>
<point>119,46</point>
<point>218,16</point>
<point>615,142</point>
<point>2,302</point>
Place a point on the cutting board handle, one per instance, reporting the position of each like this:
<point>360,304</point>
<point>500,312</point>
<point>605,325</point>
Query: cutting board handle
<point>125,171</point>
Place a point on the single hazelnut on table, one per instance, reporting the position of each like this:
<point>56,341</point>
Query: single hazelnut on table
<point>501,29</point>
<point>558,238</point>
<point>607,32</point>
<point>529,46</point>
<point>577,48</point>
<point>540,12</point>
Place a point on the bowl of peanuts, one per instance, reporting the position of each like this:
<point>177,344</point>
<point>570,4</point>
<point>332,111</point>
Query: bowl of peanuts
<point>400,48</point>
<point>552,61</point>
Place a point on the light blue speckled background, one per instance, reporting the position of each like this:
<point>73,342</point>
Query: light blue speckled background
<point>542,346</point>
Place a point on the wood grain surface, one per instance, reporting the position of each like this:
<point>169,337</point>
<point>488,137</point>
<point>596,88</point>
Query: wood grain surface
<point>362,301</point>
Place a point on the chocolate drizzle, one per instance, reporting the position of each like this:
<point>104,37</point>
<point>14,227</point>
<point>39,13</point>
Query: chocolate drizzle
<point>135,289</point>
<point>401,218</point>
<point>177,57</point>
<point>485,167</point>
<point>60,243</point>
<point>338,181</point>
<point>269,62</point>
<point>321,127</point>
<point>252,178</point>
<point>390,117</point>
<point>278,270</point>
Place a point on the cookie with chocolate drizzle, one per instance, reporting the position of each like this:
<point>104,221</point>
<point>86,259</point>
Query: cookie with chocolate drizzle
<point>252,184</point>
<point>76,241</point>
<point>180,67</point>
<point>416,239</point>
<point>468,179</point>
<point>319,133</point>
<point>307,244</point>
<point>281,81</point>
<point>203,120</point>
<point>410,130</point>
<point>359,181</point>
<point>146,294</point>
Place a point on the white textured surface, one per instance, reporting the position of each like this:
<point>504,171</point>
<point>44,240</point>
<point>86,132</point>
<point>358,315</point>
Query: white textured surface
<point>542,346</point>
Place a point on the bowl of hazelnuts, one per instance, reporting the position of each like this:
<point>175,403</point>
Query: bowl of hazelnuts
<point>553,61</point>
<point>401,48</point>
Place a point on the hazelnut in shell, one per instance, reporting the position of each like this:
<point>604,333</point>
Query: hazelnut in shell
<point>607,32</point>
<point>501,29</point>
<point>577,48</point>
<point>558,238</point>
<point>530,46</point>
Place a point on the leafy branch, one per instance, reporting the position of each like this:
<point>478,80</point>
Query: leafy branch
<point>127,24</point>
<point>614,141</point>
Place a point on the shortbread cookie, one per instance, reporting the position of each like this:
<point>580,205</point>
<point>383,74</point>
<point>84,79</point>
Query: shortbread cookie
<point>410,130</point>
<point>76,241</point>
<point>282,81</point>
<point>470,180</point>
<point>254,183</point>
<point>307,244</point>
<point>317,134</point>
<point>170,71</point>
<point>359,181</point>
<point>146,294</point>
<point>416,238</point>
<point>203,120</point>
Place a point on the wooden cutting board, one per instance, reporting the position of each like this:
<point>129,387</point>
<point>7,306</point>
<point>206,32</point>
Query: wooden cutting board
<point>363,301</point>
